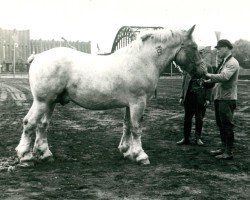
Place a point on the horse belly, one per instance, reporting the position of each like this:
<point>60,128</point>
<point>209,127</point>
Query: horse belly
<point>96,99</point>
<point>101,103</point>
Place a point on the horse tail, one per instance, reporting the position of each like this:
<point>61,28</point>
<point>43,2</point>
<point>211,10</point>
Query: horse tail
<point>31,58</point>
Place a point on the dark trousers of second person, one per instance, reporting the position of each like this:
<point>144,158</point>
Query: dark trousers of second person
<point>193,108</point>
<point>224,111</point>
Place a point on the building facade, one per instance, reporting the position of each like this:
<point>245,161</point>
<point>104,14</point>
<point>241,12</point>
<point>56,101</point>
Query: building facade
<point>16,46</point>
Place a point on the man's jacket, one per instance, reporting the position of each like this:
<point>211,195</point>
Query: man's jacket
<point>226,80</point>
<point>196,86</point>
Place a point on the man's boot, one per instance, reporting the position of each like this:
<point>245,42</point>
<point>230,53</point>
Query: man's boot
<point>228,154</point>
<point>219,151</point>
<point>225,156</point>
<point>198,140</point>
<point>183,141</point>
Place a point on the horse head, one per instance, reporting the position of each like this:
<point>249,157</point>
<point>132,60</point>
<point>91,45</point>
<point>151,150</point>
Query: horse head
<point>188,57</point>
<point>177,46</point>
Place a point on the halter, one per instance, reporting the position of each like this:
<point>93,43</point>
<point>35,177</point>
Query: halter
<point>190,59</point>
<point>177,52</point>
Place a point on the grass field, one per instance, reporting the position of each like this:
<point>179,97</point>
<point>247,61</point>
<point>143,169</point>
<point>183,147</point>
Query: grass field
<point>88,164</point>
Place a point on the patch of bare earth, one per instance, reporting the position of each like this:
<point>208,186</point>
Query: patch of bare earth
<point>88,164</point>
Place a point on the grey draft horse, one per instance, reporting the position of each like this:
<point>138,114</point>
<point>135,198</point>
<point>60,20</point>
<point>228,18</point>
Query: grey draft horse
<point>126,78</point>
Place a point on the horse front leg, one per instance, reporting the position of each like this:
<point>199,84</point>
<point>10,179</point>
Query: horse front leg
<point>135,151</point>
<point>126,136</point>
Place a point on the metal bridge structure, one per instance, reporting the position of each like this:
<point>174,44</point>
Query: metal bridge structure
<point>126,34</point>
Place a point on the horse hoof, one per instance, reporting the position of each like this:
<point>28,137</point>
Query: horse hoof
<point>142,158</point>
<point>27,157</point>
<point>45,156</point>
<point>48,159</point>
<point>145,162</point>
<point>21,151</point>
<point>127,155</point>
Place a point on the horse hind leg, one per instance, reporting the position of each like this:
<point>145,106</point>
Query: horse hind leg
<point>23,148</point>
<point>30,122</point>
<point>41,147</point>
<point>126,137</point>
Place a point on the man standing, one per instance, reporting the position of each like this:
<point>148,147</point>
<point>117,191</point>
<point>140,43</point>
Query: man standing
<point>225,96</point>
<point>195,97</point>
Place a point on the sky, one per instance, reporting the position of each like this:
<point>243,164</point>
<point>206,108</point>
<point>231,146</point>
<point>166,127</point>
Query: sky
<point>99,20</point>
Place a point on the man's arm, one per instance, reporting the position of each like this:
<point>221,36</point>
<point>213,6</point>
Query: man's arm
<point>225,75</point>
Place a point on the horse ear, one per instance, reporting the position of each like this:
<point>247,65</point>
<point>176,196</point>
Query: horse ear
<point>190,31</point>
<point>146,36</point>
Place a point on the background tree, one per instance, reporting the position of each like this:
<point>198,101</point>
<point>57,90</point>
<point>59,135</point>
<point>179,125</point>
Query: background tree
<point>241,51</point>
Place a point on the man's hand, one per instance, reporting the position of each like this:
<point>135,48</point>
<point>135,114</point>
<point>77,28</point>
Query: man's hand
<point>208,81</point>
<point>208,75</point>
<point>207,103</point>
<point>208,84</point>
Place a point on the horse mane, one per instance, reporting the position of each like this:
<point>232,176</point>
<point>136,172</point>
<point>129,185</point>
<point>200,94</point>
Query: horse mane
<point>171,37</point>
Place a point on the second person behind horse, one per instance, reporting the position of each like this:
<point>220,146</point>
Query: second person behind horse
<point>195,98</point>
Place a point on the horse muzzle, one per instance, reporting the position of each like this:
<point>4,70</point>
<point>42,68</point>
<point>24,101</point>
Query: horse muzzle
<point>200,70</point>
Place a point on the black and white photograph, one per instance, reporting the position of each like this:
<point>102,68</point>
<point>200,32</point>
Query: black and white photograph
<point>124,99</point>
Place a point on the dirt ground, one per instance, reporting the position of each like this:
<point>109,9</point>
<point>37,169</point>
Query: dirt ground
<point>88,165</point>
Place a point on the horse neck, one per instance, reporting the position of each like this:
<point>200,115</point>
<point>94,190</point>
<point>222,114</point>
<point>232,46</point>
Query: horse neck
<point>165,59</point>
<point>158,62</point>
<point>150,58</point>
